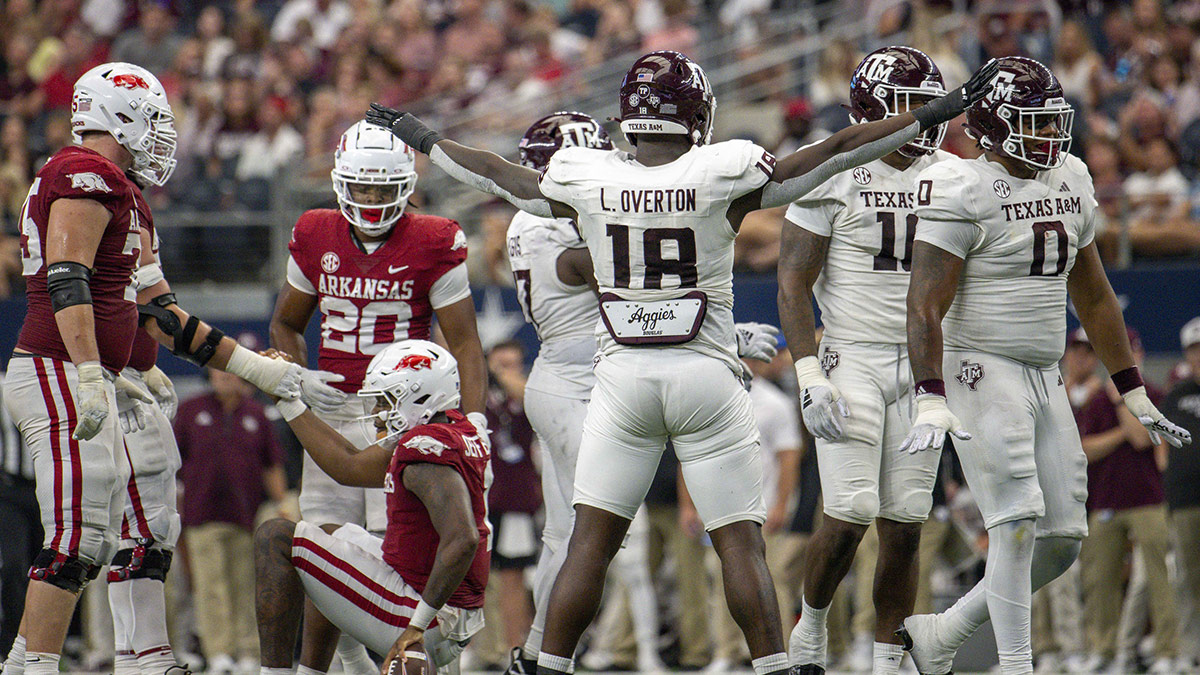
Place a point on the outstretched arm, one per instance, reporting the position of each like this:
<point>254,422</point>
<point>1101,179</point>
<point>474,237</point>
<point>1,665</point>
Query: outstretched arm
<point>1100,313</point>
<point>482,170</point>
<point>332,452</point>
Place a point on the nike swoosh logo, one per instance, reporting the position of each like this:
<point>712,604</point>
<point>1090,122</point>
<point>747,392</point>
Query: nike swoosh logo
<point>393,270</point>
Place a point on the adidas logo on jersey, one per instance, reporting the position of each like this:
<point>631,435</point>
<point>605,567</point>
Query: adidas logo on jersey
<point>1064,188</point>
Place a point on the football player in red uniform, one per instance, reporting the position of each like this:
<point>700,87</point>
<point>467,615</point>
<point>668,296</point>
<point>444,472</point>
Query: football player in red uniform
<point>420,588</point>
<point>378,274</point>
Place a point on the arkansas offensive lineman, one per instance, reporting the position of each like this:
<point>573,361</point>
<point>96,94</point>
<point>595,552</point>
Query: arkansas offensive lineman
<point>434,466</point>
<point>659,226</point>
<point>850,248</point>
<point>378,276</point>
<point>1001,240</point>
<point>557,291</point>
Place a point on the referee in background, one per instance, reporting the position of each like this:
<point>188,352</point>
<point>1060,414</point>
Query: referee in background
<point>20,526</point>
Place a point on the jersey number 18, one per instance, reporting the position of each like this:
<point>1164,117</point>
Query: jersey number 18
<point>654,263</point>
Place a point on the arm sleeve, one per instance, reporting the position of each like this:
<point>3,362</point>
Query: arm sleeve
<point>295,277</point>
<point>449,288</point>
<point>946,208</point>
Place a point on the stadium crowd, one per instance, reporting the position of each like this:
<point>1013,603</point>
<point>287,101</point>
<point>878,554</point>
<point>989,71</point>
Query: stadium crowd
<point>262,91</point>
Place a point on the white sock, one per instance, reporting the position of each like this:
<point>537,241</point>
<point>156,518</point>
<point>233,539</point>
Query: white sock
<point>809,637</point>
<point>354,657</point>
<point>772,663</point>
<point>559,664</point>
<point>1010,592</point>
<point>887,658</point>
<point>533,643</point>
<point>148,636</point>
<point>41,663</point>
<point>15,663</point>
<point>275,671</point>
<point>125,661</point>
<point>305,670</point>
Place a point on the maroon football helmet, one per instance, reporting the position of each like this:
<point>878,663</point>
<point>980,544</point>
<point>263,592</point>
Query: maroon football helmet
<point>560,130</point>
<point>1025,104</point>
<point>889,82</point>
<point>665,92</point>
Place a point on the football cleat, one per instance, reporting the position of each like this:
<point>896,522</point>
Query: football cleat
<point>807,669</point>
<point>920,638</point>
<point>519,665</point>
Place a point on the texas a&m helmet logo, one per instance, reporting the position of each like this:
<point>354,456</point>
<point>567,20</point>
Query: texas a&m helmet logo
<point>970,374</point>
<point>414,362</point>
<point>830,360</point>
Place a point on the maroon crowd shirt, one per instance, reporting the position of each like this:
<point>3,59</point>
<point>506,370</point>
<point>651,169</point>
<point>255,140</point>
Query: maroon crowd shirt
<point>224,458</point>
<point>1127,478</point>
<point>79,173</point>
<point>410,543</point>
<point>518,486</point>
<point>371,300</point>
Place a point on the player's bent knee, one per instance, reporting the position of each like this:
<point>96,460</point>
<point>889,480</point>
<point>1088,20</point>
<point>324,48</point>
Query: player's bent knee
<point>143,561</point>
<point>860,509</point>
<point>276,533</point>
<point>1054,554</point>
<point>67,572</point>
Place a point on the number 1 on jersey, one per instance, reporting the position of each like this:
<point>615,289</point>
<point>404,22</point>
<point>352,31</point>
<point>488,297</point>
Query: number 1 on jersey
<point>886,260</point>
<point>654,262</point>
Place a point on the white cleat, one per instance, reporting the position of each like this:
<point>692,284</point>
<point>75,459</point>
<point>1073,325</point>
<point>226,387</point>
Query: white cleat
<point>921,640</point>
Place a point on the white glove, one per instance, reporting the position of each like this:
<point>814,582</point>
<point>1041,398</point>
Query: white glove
<point>316,392</point>
<point>818,398</point>
<point>274,376</point>
<point>91,402</point>
<point>757,340</point>
<point>479,421</point>
<point>163,391</point>
<point>129,405</point>
<point>1159,426</point>
<point>934,420</point>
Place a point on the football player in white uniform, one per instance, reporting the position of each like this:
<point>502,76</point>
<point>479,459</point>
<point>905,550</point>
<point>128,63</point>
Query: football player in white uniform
<point>851,248</point>
<point>1001,240</point>
<point>555,285</point>
<point>659,225</point>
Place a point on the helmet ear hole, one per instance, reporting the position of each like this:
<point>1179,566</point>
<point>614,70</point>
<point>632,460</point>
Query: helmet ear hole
<point>421,400</point>
<point>124,118</point>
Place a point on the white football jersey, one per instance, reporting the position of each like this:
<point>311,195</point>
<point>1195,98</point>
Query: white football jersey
<point>868,215</point>
<point>565,317</point>
<point>658,232</point>
<point>1018,238</point>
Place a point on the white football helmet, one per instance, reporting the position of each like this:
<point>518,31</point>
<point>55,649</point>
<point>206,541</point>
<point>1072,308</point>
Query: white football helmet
<point>128,102</point>
<point>370,157</point>
<point>417,378</point>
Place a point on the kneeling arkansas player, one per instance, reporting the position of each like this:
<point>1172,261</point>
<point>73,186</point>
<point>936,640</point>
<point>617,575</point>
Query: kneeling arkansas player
<point>421,587</point>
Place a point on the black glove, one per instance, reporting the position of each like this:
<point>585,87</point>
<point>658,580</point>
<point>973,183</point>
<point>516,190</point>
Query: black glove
<point>952,105</point>
<point>406,126</point>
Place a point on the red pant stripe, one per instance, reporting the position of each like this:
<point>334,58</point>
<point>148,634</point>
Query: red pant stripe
<point>76,466</point>
<point>135,502</point>
<point>353,573</point>
<point>55,448</point>
<point>341,588</point>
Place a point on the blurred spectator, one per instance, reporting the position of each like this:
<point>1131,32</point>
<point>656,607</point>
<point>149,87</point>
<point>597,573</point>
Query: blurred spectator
<point>249,38</point>
<point>798,129</point>
<point>151,45</point>
<point>19,94</point>
<point>1182,483</point>
<point>80,53</point>
<point>215,45</point>
<point>273,148</point>
<point>20,525</point>
<point>488,263</point>
<point>232,463</point>
<point>516,495</point>
<point>1076,63</point>
<point>1126,506</point>
<point>222,143</point>
<point>677,32</point>
<point>1159,192</point>
<point>472,36</point>
<point>315,23</point>
<point>104,17</point>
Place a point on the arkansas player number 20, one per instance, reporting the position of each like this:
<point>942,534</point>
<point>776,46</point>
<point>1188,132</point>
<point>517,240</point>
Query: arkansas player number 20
<point>363,330</point>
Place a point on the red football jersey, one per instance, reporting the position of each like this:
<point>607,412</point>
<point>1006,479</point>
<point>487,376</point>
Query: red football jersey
<point>79,173</point>
<point>369,301</point>
<point>145,348</point>
<point>410,543</point>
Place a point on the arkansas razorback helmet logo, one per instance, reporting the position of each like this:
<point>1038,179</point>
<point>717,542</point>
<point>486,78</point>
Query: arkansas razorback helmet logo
<point>130,81</point>
<point>415,362</point>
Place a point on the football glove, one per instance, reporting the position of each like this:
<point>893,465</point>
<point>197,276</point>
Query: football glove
<point>946,108</point>
<point>405,126</point>
<point>163,391</point>
<point>934,420</point>
<point>818,400</point>
<point>757,341</point>
<point>1155,422</point>
<point>91,401</point>
<point>479,421</point>
<point>129,405</point>
<point>316,392</point>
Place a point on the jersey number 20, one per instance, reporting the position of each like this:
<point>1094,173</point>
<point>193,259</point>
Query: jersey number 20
<point>654,263</point>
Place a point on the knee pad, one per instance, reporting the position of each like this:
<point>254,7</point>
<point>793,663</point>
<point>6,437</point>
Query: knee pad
<point>861,508</point>
<point>67,572</point>
<point>140,562</point>
<point>1051,557</point>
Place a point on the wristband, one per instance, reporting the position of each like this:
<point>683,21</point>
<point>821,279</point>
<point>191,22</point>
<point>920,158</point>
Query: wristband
<point>932,386</point>
<point>809,372</point>
<point>1127,380</point>
<point>290,408</point>
<point>422,616</point>
<point>410,129</point>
